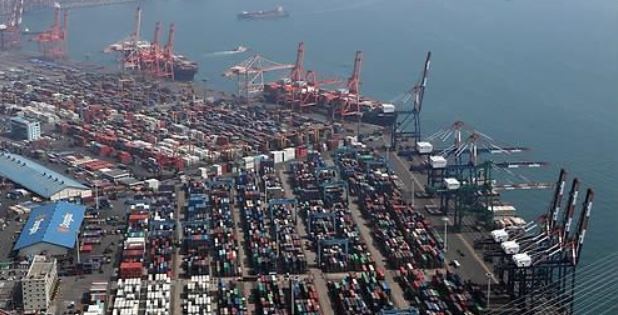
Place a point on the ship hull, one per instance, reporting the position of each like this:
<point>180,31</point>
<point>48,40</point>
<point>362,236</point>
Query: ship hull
<point>185,75</point>
<point>379,118</point>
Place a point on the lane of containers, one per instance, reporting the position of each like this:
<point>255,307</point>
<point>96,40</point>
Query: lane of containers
<point>161,233</point>
<point>261,246</point>
<point>406,235</point>
<point>230,299</point>
<point>283,218</point>
<point>197,299</point>
<point>224,243</point>
<point>283,215</point>
<point>329,221</point>
<point>441,293</point>
<point>363,293</point>
<point>275,295</point>
<point>209,211</point>
<point>129,293</point>
<point>196,235</point>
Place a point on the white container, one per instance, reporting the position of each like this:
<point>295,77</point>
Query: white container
<point>510,247</point>
<point>522,260</point>
<point>388,108</point>
<point>423,147</point>
<point>277,156</point>
<point>451,183</point>
<point>289,154</point>
<point>437,161</point>
<point>500,236</point>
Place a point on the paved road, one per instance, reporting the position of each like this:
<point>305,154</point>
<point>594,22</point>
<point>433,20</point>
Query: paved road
<point>177,283</point>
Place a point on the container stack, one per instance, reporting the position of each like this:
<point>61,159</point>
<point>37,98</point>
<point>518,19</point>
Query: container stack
<point>261,246</point>
<point>196,236</point>
<point>198,300</point>
<point>161,233</point>
<point>440,293</point>
<point>406,236</point>
<point>274,296</point>
<point>360,294</point>
<point>231,300</point>
<point>271,297</point>
<point>134,248</point>
<point>97,297</point>
<point>158,294</point>
<point>224,243</point>
<point>128,295</point>
<point>394,223</point>
<point>328,219</point>
<point>283,215</point>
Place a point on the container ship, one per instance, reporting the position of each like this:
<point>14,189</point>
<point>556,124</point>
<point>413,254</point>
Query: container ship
<point>277,12</point>
<point>379,114</point>
<point>184,69</point>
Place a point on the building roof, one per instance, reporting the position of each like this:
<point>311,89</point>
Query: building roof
<point>35,177</point>
<point>55,223</point>
<point>21,120</point>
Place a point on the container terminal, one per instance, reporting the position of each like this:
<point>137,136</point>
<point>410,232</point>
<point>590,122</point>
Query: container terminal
<point>127,194</point>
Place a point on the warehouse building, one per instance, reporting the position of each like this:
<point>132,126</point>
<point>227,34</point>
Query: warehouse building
<point>39,284</point>
<point>24,129</point>
<point>51,229</point>
<point>39,179</point>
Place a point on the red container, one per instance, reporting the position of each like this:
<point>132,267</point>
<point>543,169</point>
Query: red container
<point>131,270</point>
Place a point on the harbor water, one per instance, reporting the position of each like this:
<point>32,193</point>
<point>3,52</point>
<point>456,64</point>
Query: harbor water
<point>540,73</point>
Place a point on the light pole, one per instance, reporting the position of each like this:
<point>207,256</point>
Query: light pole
<point>412,190</point>
<point>388,147</point>
<point>445,220</point>
<point>205,89</point>
<point>489,279</point>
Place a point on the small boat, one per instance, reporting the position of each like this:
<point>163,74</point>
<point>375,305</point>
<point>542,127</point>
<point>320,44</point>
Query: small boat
<point>277,12</point>
<point>240,49</point>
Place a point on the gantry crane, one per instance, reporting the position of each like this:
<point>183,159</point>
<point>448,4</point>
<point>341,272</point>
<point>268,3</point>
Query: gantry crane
<point>250,74</point>
<point>409,109</point>
<point>347,102</point>
<point>10,32</point>
<point>53,41</point>
<point>547,259</point>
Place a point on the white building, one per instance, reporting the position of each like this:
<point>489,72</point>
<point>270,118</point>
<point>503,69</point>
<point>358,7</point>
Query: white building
<point>24,129</point>
<point>38,286</point>
<point>39,179</point>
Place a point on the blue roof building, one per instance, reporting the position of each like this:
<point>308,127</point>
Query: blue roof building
<point>51,228</point>
<point>40,179</point>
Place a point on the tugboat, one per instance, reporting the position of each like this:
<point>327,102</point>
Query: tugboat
<point>277,12</point>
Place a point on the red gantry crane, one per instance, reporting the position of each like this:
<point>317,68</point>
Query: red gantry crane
<point>348,100</point>
<point>53,41</point>
<point>301,89</point>
<point>157,60</point>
